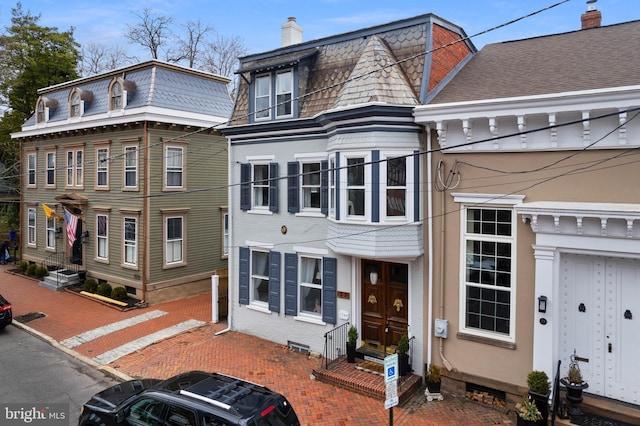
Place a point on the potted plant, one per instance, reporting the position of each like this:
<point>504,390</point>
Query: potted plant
<point>528,413</point>
<point>574,382</point>
<point>539,390</point>
<point>402,349</point>
<point>432,377</point>
<point>352,339</point>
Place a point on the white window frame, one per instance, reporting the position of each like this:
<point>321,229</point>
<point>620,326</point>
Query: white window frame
<point>262,160</point>
<point>75,105</point>
<point>487,202</point>
<point>50,173</point>
<point>50,234</point>
<point>282,90</point>
<point>307,159</point>
<point>225,233</point>
<point>102,166</point>
<point>344,190</point>
<point>102,238</point>
<point>42,113</point>
<point>174,247</point>
<point>333,174</point>
<point>408,186</point>
<point>255,277</point>
<point>173,166</point>
<point>129,245</point>
<point>32,167</point>
<point>314,284</point>
<point>116,96</point>
<point>127,167</point>
<point>262,112</point>
<point>31,226</point>
<point>74,168</point>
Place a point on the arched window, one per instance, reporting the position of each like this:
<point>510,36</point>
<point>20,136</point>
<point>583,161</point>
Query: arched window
<point>41,115</point>
<point>120,91</point>
<point>74,105</point>
<point>116,96</point>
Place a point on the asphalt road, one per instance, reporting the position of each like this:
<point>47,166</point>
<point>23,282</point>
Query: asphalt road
<point>32,371</point>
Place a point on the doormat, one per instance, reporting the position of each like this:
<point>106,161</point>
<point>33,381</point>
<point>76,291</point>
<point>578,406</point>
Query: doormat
<point>593,420</point>
<point>371,367</point>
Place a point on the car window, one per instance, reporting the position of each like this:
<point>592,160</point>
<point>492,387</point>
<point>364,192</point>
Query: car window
<point>211,420</point>
<point>146,411</point>
<point>180,416</point>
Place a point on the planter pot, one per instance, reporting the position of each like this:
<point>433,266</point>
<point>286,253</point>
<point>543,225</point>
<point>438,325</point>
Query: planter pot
<point>403,364</point>
<point>523,422</point>
<point>574,391</point>
<point>542,402</point>
<point>434,387</point>
<point>351,352</point>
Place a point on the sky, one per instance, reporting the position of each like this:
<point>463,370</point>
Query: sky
<point>258,22</point>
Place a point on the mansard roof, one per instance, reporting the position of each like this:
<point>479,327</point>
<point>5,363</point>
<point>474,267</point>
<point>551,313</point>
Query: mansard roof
<point>391,63</point>
<point>589,59</point>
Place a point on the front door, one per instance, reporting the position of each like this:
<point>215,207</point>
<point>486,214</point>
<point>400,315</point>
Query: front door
<point>385,303</point>
<point>600,319</point>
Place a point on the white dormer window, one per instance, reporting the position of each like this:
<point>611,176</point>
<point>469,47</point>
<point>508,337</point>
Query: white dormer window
<point>77,100</point>
<point>119,90</point>
<point>41,116</point>
<point>44,106</point>
<point>74,107</point>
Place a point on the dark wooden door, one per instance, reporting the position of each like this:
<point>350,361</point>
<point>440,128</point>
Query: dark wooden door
<point>385,303</point>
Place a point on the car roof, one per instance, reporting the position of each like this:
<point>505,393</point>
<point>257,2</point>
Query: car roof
<point>235,396</point>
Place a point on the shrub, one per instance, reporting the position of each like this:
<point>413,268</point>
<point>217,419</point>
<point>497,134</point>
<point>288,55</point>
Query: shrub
<point>90,285</point>
<point>23,266</point>
<point>433,374</point>
<point>119,293</point>
<point>41,271</point>
<point>352,335</point>
<point>105,289</point>
<point>538,382</point>
<point>31,269</point>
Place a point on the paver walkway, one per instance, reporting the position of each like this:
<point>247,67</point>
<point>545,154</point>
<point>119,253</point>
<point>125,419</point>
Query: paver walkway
<point>94,330</point>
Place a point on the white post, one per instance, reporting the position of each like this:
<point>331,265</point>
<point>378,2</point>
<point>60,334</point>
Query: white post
<point>214,298</point>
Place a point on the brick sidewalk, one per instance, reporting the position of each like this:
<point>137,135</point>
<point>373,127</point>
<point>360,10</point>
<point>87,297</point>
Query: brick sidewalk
<point>237,354</point>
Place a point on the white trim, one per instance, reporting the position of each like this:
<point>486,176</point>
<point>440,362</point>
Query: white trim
<point>489,199</point>
<point>310,250</point>
<point>256,244</point>
<point>258,158</point>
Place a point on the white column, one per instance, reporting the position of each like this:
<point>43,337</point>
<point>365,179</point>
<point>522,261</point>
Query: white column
<point>214,298</point>
<point>543,348</point>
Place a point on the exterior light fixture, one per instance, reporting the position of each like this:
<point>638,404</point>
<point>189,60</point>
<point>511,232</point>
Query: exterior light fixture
<point>542,304</point>
<point>373,277</point>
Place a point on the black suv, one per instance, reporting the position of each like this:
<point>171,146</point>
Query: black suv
<point>5,313</point>
<point>195,398</point>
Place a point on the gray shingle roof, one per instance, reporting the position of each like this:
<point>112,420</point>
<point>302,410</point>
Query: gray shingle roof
<point>580,60</point>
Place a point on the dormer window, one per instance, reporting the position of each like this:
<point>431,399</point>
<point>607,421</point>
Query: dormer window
<point>273,95</point>
<point>118,93</point>
<point>43,107</point>
<point>77,100</point>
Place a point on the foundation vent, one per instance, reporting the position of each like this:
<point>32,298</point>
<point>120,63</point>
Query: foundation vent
<point>298,347</point>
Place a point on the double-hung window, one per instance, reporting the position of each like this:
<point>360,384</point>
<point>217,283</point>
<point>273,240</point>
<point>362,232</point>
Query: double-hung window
<point>102,236</point>
<point>174,162</point>
<point>396,199</point>
<point>51,169</point>
<point>31,226</point>
<point>115,96</point>
<point>102,167</point>
<point>488,271</point>
<point>356,192</point>
<point>51,233</point>
<point>174,241</point>
<point>225,233</point>
<point>259,186</point>
<point>130,241</point>
<point>307,185</point>
<point>131,167</point>
<point>75,169</point>
<point>273,95</point>
<point>332,186</point>
<point>259,277</point>
<point>310,291</point>
<point>74,105</point>
<point>31,169</point>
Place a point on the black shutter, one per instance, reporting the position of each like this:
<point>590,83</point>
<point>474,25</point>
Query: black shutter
<point>245,186</point>
<point>291,284</point>
<point>243,291</point>
<point>329,290</point>
<point>273,187</point>
<point>293,187</point>
<point>274,281</point>
<point>324,187</point>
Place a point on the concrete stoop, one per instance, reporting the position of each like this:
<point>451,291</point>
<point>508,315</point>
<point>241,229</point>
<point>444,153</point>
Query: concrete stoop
<point>58,280</point>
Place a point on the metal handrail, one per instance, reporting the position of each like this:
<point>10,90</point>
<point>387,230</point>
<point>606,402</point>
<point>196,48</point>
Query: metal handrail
<point>335,344</point>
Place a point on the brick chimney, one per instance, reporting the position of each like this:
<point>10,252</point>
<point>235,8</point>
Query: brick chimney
<point>592,18</point>
<point>291,32</point>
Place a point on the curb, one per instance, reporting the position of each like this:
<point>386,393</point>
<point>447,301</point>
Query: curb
<point>104,369</point>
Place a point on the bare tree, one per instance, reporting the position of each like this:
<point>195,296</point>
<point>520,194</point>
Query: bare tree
<point>191,43</point>
<point>221,57</point>
<point>98,58</point>
<point>151,31</point>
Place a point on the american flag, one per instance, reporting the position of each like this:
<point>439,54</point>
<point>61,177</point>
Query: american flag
<point>72,223</point>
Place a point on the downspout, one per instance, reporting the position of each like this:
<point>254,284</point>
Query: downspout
<point>429,248</point>
<point>145,213</point>
<point>443,216</point>
<point>230,269</point>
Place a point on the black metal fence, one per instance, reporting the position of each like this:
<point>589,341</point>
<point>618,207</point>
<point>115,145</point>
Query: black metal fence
<point>335,344</point>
